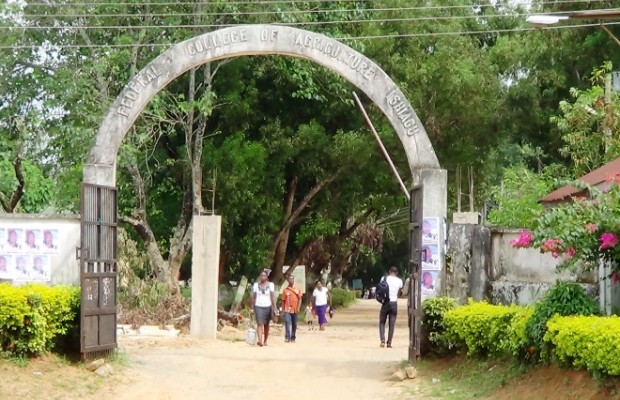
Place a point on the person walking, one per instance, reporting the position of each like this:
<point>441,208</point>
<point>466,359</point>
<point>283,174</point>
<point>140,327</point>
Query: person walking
<point>390,307</point>
<point>320,300</point>
<point>263,304</point>
<point>291,304</point>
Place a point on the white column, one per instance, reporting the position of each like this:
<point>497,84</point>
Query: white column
<point>435,205</point>
<point>206,239</point>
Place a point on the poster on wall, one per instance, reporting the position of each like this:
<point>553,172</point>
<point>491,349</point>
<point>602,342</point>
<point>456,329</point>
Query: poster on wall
<point>430,230</point>
<point>14,239</point>
<point>23,267</point>
<point>429,282</point>
<point>40,268</point>
<point>6,266</point>
<point>26,251</point>
<point>32,240</point>
<point>431,259</point>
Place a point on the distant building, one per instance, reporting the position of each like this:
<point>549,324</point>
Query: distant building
<point>600,178</point>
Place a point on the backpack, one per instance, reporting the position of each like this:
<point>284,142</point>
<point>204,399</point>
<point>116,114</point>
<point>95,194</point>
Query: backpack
<point>382,293</point>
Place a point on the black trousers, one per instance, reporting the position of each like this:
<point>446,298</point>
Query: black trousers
<point>389,309</point>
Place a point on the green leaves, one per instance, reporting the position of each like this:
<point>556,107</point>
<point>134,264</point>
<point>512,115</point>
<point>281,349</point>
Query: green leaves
<point>564,298</point>
<point>517,198</point>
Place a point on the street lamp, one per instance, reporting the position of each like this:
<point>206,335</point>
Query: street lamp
<point>541,20</point>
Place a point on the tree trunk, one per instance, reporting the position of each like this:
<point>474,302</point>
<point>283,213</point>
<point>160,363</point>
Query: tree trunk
<point>293,218</point>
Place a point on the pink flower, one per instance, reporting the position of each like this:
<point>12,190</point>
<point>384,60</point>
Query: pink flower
<point>553,246</point>
<point>524,240</point>
<point>591,228</point>
<point>570,252</point>
<point>608,240</point>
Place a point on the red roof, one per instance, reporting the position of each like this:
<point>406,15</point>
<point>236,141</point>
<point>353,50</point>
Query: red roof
<point>609,171</point>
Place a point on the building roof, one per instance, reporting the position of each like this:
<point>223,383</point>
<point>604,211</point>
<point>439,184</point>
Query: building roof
<point>607,172</point>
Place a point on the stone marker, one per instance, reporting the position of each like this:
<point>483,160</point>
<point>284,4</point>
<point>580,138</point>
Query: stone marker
<point>411,372</point>
<point>104,371</point>
<point>398,376</point>
<point>94,365</point>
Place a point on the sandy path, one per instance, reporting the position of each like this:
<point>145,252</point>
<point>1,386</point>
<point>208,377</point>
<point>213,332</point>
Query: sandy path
<point>344,362</point>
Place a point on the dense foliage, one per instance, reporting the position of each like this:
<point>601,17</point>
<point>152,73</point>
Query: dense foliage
<point>288,161</point>
<point>34,318</point>
<point>583,232</point>
<point>341,298</point>
<point>564,298</point>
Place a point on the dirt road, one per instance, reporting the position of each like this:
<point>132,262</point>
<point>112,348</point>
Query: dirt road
<point>344,362</point>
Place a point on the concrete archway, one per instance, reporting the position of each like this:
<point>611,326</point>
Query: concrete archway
<point>247,40</point>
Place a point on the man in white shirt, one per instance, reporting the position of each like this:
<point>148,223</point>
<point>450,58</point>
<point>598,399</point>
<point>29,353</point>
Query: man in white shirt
<point>390,308</point>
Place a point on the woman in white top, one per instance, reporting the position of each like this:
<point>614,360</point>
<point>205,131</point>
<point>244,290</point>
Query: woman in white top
<point>320,300</point>
<point>263,303</point>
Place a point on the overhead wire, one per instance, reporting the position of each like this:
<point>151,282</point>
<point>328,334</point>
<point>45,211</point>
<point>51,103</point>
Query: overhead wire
<point>388,36</point>
<point>247,13</point>
<point>287,2</point>
<point>297,23</point>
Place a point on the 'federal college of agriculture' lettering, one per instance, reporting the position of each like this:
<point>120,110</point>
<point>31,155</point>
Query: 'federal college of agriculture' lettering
<point>133,89</point>
<point>333,49</point>
<point>404,112</point>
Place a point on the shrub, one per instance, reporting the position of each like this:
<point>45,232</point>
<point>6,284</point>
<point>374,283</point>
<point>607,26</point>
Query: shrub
<point>34,317</point>
<point>479,327</point>
<point>586,342</point>
<point>342,297</point>
<point>433,322</point>
<point>564,298</point>
<point>515,341</point>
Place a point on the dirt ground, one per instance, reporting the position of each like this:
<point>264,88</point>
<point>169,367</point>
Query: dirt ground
<point>550,383</point>
<point>344,361</point>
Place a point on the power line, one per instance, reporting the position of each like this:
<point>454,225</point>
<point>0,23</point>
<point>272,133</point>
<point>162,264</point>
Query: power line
<point>238,13</point>
<point>287,2</point>
<point>308,23</point>
<point>394,36</point>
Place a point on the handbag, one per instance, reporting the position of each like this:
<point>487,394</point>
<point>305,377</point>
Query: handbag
<point>251,335</point>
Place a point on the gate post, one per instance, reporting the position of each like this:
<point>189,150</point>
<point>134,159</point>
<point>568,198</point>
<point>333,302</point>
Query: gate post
<point>206,238</point>
<point>428,199</point>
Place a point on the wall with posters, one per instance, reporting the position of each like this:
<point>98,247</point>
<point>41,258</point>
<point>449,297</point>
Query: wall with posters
<point>39,248</point>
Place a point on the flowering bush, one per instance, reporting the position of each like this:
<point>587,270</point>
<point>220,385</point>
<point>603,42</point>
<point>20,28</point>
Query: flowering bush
<point>583,232</point>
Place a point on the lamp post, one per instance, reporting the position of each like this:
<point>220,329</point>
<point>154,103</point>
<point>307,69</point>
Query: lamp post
<point>541,20</point>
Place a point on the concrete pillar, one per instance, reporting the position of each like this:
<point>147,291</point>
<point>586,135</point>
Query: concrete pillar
<point>205,269</point>
<point>435,205</point>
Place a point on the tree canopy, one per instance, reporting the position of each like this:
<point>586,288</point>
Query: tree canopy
<point>276,145</point>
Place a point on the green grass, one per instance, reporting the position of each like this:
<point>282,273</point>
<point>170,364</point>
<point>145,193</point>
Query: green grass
<point>464,379</point>
<point>186,292</point>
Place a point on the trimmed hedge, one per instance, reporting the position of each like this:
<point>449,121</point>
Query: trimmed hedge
<point>586,342</point>
<point>342,297</point>
<point>515,341</point>
<point>590,342</point>
<point>34,317</point>
<point>480,328</point>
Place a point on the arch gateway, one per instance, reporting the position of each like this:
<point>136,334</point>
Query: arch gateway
<point>98,194</point>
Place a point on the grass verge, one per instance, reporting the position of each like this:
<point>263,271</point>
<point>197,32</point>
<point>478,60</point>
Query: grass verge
<point>461,378</point>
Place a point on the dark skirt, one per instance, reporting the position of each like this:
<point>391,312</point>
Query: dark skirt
<point>263,315</point>
<point>320,312</point>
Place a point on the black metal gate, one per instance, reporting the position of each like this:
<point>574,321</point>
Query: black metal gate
<point>415,260</point>
<point>99,216</point>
